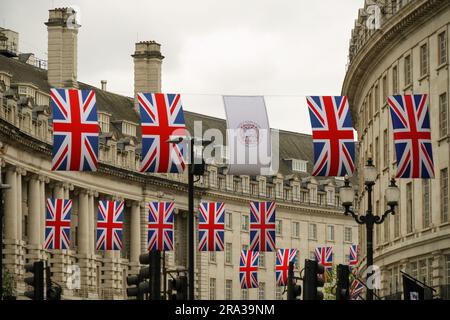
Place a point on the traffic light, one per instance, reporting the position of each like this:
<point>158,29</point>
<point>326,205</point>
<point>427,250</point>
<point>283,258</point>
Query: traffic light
<point>140,281</point>
<point>53,291</point>
<point>36,280</point>
<point>180,285</point>
<point>343,282</point>
<point>313,280</point>
<point>293,290</point>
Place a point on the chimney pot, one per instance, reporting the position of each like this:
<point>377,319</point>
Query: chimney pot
<point>103,85</point>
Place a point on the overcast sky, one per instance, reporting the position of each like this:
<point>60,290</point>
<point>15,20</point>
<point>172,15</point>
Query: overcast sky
<point>282,49</point>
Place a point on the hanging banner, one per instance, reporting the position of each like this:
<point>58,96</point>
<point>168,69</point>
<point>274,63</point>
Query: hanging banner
<point>249,136</point>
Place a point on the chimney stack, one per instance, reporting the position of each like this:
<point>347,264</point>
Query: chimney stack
<point>147,68</point>
<point>103,85</point>
<point>62,48</point>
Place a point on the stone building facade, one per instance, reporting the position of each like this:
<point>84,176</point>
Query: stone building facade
<point>407,54</point>
<point>308,210</point>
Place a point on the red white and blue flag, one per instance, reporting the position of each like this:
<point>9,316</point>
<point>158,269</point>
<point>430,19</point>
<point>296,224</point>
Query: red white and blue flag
<point>324,256</point>
<point>332,132</point>
<point>162,119</point>
<point>262,226</point>
<point>57,224</point>
<point>75,130</point>
<point>353,256</point>
<point>109,225</point>
<point>412,135</point>
<point>248,269</point>
<point>284,257</point>
<point>211,224</point>
<point>355,289</point>
<point>160,226</point>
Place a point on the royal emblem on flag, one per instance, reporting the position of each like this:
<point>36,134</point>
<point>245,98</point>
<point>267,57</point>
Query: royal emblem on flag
<point>332,132</point>
<point>75,130</point>
<point>211,223</point>
<point>109,225</point>
<point>160,226</point>
<point>355,289</point>
<point>353,257</point>
<point>57,224</point>
<point>248,269</point>
<point>284,257</point>
<point>412,135</point>
<point>262,226</point>
<point>162,119</point>
<point>324,256</point>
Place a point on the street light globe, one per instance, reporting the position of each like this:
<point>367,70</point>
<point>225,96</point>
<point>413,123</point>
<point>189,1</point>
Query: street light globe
<point>370,172</point>
<point>346,194</point>
<point>392,194</point>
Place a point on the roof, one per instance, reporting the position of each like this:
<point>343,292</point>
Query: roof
<point>293,145</point>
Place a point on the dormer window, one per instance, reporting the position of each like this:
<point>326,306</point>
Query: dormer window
<point>299,165</point>
<point>128,128</point>
<point>103,121</point>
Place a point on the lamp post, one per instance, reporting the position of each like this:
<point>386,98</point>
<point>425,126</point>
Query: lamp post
<point>369,219</point>
<point>193,169</point>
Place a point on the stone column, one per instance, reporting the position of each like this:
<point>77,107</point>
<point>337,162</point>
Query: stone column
<point>43,180</point>
<point>11,204</point>
<point>83,222</point>
<point>91,223</point>
<point>34,212</point>
<point>144,225</point>
<point>135,232</point>
<point>58,190</point>
<point>19,212</point>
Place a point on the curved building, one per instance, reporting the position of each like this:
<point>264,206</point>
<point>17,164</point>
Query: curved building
<point>401,47</point>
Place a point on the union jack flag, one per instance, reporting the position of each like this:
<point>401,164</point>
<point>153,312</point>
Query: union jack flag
<point>262,226</point>
<point>162,118</point>
<point>109,225</point>
<point>248,269</point>
<point>353,257</point>
<point>57,224</point>
<point>160,226</point>
<point>412,135</point>
<point>355,289</point>
<point>332,131</point>
<point>211,225</point>
<point>75,130</point>
<point>324,256</point>
<point>284,257</point>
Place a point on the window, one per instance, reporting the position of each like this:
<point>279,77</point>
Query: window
<point>447,269</point>
<point>370,106</point>
<point>212,288</point>
<point>394,6</point>
<point>385,148</point>
<point>387,230</point>
<point>103,121</point>
<point>444,195</point>
<point>278,227</point>
<point>385,90</point>
<point>377,152</point>
<point>212,256</point>
<point>228,289</point>
<point>330,233</point>
<point>244,222</point>
<point>244,294</point>
<point>377,98</point>
<point>407,70</point>
<point>228,220</point>
<point>409,208</point>
<point>413,269</point>
<point>262,260</point>
<point>348,234</point>
<point>295,229</point>
<point>443,115</point>
<point>228,255</point>
<point>442,49</point>
<point>424,60</point>
<point>312,232</point>
<point>262,291</point>
<point>278,293</point>
<point>298,165</point>
<point>330,197</point>
<point>394,80</point>
<point>397,222</point>
<point>426,203</point>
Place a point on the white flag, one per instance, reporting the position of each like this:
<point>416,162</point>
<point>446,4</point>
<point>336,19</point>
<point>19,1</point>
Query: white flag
<point>248,135</point>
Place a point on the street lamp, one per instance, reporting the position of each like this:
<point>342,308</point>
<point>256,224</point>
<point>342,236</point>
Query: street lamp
<point>369,219</point>
<point>192,170</point>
